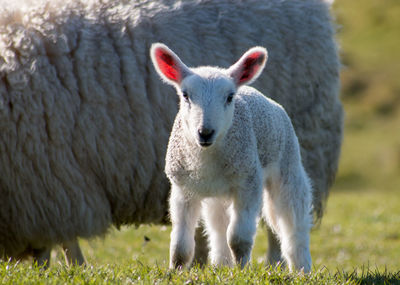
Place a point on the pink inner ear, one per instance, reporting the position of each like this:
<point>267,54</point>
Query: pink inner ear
<point>167,65</point>
<point>251,65</point>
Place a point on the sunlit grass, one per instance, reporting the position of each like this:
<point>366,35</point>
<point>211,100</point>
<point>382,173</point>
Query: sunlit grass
<point>136,272</point>
<point>370,155</point>
<point>359,230</point>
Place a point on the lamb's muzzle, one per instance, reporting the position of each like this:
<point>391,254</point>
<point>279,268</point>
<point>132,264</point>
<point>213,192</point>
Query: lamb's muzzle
<point>205,136</point>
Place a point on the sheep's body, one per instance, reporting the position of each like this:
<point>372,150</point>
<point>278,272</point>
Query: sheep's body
<point>84,126</point>
<point>227,145</point>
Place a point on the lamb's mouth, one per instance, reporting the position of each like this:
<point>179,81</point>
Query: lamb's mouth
<point>205,143</point>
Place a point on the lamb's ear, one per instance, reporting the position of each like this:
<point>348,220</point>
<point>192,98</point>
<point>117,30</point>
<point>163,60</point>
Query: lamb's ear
<point>249,66</point>
<point>168,64</point>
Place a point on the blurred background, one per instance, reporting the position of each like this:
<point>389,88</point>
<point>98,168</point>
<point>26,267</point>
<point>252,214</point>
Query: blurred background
<point>361,227</point>
<point>369,37</point>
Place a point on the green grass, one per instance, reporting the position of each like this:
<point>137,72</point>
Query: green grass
<point>358,230</point>
<point>358,241</point>
<point>136,272</point>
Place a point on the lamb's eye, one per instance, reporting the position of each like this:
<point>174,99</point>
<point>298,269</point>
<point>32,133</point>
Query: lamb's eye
<point>185,96</point>
<point>229,98</point>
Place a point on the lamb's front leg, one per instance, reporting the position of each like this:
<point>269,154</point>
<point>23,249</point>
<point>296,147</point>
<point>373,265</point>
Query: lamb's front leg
<point>185,212</point>
<point>216,219</point>
<point>243,224</point>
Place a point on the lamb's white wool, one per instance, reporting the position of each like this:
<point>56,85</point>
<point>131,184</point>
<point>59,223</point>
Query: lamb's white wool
<point>228,143</point>
<point>85,120</point>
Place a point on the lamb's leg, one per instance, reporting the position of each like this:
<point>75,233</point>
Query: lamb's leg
<point>185,212</point>
<point>201,246</point>
<point>72,253</point>
<point>243,223</point>
<point>288,211</point>
<point>216,221</point>
<point>274,254</point>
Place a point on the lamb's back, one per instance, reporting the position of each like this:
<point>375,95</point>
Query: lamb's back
<point>271,125</point>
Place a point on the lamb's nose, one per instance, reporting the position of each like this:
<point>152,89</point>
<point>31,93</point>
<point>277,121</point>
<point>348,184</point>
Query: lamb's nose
<point>205,134</point>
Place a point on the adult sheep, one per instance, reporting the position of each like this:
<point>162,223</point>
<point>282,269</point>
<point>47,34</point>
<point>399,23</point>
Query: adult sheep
<point>83,121</point>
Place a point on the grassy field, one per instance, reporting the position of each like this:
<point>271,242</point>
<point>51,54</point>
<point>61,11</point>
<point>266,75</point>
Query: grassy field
<point>356,243</point>
<point>358,240</point>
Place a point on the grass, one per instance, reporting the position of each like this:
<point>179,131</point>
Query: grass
<point>357,231</point>
<point>358,241</point>
<point>136,272</point>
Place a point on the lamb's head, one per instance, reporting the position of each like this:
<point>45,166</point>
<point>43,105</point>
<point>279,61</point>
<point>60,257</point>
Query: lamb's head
<point>207,94</point>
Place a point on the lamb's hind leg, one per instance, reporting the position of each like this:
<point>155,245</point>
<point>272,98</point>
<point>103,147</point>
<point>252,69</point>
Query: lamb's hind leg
<point>201,250</point>
<point>185,212</point>
<point>216,221</point>
<point>287,208</point>
<point>274,254</point>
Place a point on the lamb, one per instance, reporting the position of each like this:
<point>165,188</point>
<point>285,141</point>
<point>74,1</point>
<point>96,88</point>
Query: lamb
<point>228,142</point>
<point>85,120</point>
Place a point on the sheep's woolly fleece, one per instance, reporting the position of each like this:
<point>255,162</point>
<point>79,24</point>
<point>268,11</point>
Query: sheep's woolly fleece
<point>85,120</point>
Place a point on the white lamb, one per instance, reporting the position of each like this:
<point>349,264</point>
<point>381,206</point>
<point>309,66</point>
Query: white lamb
<point>228,143</point>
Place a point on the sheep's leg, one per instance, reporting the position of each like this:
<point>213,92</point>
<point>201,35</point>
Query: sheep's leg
<point>216,220</point>
<point>274,254</point>
<point>41,256</point>
<point>201,246</point>
<point>287,209</point>
<point>243,223</point>
<point>72,253</point>
<point>185,212</point>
